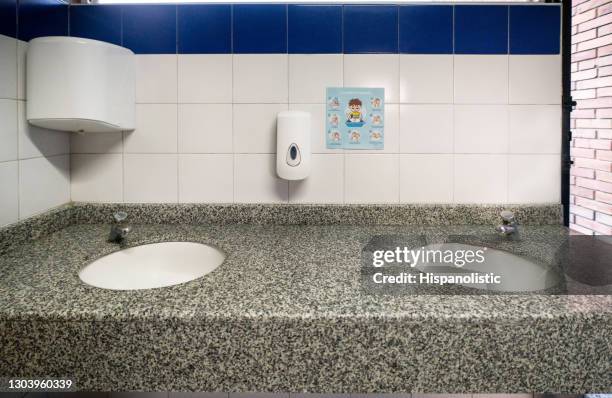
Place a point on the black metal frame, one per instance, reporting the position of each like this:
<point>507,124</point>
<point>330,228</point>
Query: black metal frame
<point>567,105</point>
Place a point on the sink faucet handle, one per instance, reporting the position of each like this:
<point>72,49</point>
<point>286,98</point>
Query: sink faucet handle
<point>120,229</point>
<point>507,216</point>
<point>120,216</point>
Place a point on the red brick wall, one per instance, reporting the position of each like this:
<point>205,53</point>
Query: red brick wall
<point>591,121</point>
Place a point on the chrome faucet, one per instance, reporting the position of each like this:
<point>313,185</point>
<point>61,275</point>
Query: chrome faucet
<point>508,225</point>
<point>120,229</point>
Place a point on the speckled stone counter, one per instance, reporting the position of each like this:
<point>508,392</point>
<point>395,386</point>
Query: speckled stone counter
<point>287,312</point>
<point>268,214</point>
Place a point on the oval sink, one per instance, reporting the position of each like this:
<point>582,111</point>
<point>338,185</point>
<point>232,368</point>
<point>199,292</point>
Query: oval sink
<point>153,265</point>
<point>517,274</point>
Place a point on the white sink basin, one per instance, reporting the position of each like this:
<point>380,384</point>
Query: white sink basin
<point>153,265</point>
<point>517,274</point>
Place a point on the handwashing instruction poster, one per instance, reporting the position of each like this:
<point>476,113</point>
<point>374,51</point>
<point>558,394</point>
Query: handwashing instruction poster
<point>355,118</point>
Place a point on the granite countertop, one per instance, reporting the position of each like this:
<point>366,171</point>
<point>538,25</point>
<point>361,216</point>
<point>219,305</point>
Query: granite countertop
<point>287,312</point>
<point>270,271</point>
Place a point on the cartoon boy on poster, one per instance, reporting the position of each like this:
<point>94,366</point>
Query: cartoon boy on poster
<point>354,114</point>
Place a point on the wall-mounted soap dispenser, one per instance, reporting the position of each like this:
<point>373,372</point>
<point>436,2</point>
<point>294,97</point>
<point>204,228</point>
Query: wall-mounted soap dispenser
<point>293,145</point>
<point>80,85</point>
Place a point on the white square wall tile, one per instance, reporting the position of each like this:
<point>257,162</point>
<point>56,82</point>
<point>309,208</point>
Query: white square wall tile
<point>96,177</point>
<point>205,128</point>
<point>324,184</point>
<point>255,179</point>
<point>373,70</point>
<point>481,178</point>
<point>426,178</point>
<point>391,131</point>
<point>255,127</point>
<point>96,143</point>
<point>22,49</point>
<point>535,79</point>
<point>260,78</point>
<point>426,128</point>
<point>371,178</point>
<point>205,78</point>
<point>206,178</point>
<point>8,67</point>
<point>481,128</point>
<point>156,78</point>
<point>9,194</point>
<point>36,141</point>
<point>317,126</point>
<point>481,79</point>
<point>156,129</point>
<point>44,183</point>
<point>8,130</point>
<point>534,178</point>
<point>150,178</point>
<point>535,129</point>
<point>426,78</point>
<point>310,75</point>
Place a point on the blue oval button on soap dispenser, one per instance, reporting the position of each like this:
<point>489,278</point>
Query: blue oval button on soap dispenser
<point>293,155</point>
<point>293,145</point>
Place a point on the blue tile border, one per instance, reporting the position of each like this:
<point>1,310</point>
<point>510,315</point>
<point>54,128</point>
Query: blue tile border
<point>149,29</point>
<point>98,22</point>
<point>32,13</point>
<point>314,29</point>
<point>8,18</point>
<point>535,30</point>
<point>370,29</point>
<point>416,35</point>
<point>260,28</point>
<point>481,29</point>
<point>203,28</point>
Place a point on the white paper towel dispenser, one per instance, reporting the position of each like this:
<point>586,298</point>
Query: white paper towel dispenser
<point>293,145</point>
<point>80,85</point>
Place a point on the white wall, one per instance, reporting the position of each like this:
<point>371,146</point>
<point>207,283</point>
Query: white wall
<point>34,162</point>
<point>459,129</point>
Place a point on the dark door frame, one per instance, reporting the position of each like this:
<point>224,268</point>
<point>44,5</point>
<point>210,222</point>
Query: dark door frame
<point>567,105</point>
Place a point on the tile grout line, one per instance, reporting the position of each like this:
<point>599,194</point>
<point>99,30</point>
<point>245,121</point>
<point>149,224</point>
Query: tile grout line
<point>176,55</point>
<point>233,56</point>
<point>399,123</point>
<point>325,116</point>
<point>288,99</point>
<point>342,46</point>
<point>363,152</point>
<point>178,176</point>
<point>17,123</point>
<point>321,103</point>
<point>507,184</point>
<point>453,158</point>
<point>123,167</point>
<point>234,157</point>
